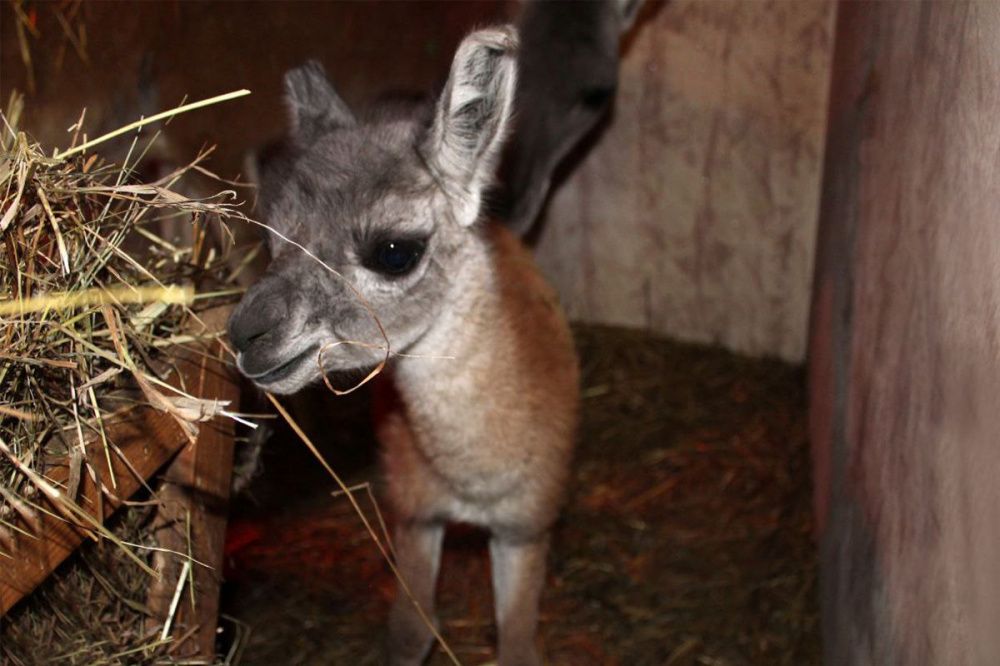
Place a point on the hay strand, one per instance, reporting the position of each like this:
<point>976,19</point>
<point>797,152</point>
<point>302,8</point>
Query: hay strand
<point>146,121</point>
<point>368,527</point>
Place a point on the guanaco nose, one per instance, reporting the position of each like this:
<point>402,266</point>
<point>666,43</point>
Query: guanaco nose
<point>255,317</point>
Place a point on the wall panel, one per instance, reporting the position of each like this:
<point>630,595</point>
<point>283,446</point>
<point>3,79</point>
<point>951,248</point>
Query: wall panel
<point>695,213</point>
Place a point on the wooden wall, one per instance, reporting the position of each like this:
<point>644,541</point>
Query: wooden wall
<point>695,213</point>
<point>194,50</point>
<point>905,349</point>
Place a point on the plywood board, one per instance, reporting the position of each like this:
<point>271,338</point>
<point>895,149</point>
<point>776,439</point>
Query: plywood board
<point>694,215</point>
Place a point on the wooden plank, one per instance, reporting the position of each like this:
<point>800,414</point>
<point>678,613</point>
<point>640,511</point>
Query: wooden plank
<point>192,516</point>
<point>148,439</point>
<point>905,358</point>
<point>694,215</point>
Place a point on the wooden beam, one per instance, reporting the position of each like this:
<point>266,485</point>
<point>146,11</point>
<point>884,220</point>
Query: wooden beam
<point>194,502</point>
<point>905,355</point>
<point>148,439</point>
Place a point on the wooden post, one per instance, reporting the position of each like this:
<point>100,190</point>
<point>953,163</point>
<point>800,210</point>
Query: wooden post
<point>194,501</point>
<point>147,438</point>
<point>905,349</point>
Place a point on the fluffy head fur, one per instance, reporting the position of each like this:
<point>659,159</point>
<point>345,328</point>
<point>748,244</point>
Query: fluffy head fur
<point>342,187</point>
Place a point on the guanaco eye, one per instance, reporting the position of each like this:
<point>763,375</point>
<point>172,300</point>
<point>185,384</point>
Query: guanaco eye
<point>395,257</point>
<point>597,97</point>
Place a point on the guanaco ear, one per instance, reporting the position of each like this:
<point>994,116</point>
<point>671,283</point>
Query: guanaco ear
<point>313,103</point>
<point>471,118</point>
<point>627,11</point>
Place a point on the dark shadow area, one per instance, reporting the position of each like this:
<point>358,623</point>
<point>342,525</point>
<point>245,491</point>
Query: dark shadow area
<point>686,538</point>
<point>579,152</point>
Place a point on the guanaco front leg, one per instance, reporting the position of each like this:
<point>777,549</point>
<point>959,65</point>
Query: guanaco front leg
<point>518,577</point>
<point>418,557</point>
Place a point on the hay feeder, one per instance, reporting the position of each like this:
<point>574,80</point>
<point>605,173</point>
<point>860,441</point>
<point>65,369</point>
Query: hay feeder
<point>112,374</point>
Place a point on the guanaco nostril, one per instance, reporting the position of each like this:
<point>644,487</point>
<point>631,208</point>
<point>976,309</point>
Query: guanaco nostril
<point>255,318</point>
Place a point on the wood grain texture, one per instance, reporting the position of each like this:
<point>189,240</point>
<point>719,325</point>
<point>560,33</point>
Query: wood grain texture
<point>194,501</point>
<point>147,438</point>
<point>695,213</point>
<point>905,352</point>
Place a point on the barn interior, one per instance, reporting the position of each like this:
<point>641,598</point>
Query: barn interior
<point>679,237</point>
<point>705,240</point>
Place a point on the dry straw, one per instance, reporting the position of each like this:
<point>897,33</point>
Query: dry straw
<point>93,294</point>
<point>86,312</point>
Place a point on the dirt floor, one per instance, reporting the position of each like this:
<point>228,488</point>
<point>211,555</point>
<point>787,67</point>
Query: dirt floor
<point>686,539</point>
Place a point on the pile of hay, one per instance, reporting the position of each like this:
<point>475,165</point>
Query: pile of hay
<point>95,297</point>
<point>92,609</point>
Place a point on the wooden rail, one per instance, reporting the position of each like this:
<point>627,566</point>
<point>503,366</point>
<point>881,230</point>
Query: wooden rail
<point>194,502</point>
<point>147,438</point>
<point>195,493</point>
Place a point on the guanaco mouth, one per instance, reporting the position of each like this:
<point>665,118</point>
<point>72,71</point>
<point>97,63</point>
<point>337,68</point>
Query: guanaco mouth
<point>285,369</point>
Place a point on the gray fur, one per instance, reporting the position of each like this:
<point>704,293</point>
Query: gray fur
<point>313,103</point>
<point>567,78</point>
<point>484,427</point>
